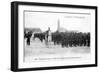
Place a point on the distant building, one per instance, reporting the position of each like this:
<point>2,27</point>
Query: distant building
<point>34,30</point>
<point>60,29</point>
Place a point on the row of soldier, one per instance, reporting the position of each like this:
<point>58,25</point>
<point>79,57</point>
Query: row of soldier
<point>71,39</point>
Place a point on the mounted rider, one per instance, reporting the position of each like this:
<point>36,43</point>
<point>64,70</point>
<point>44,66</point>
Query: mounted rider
<point>48,37</point>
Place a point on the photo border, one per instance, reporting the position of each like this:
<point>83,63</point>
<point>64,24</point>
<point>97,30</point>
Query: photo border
<point>14,35</point>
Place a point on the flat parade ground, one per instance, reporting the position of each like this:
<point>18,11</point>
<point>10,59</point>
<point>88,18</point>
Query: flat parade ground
<point>38,51</point>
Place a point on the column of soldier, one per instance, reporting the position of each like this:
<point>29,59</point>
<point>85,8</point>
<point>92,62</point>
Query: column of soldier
<point>71,39</point>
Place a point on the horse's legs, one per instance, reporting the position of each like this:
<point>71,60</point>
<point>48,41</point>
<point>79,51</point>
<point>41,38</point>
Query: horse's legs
<point>49,41</point>
<point>46,42</point>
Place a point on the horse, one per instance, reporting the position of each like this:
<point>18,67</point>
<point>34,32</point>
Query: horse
<point>40,36</point>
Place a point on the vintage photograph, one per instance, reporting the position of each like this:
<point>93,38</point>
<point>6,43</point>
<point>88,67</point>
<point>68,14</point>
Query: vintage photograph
<point>50,36</point>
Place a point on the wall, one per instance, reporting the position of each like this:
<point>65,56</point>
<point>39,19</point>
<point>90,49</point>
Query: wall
<point>5,17</point>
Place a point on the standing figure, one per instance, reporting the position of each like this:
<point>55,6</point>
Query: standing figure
<point>48,37</point>
<point>29,34</point>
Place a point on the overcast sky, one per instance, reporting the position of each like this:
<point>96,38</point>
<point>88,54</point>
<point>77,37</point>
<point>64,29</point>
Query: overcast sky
<point>77,22</point>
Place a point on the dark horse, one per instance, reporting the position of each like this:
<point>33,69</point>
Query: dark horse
<point>41,36</point>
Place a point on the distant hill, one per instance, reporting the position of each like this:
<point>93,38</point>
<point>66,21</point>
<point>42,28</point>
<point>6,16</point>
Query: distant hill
<point>61,29</point>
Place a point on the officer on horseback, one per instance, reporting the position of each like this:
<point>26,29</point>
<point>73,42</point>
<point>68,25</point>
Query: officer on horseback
<point>48,37</point>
